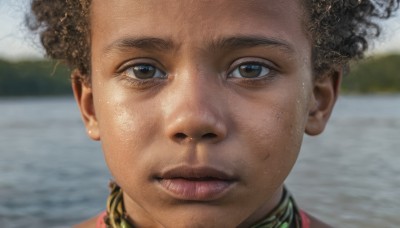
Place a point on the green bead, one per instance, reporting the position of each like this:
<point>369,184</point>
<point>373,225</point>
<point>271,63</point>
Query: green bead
<point>125,224</point>
<point>284,225</point>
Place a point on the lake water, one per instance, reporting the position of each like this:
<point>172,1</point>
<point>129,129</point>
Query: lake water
<point>52,175</point>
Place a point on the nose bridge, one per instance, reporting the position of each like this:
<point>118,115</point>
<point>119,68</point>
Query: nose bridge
<point>194,111</point>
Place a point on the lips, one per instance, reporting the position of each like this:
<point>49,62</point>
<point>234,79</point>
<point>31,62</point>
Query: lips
<point>195,184</point>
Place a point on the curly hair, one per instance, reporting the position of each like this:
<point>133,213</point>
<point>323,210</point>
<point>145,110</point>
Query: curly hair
<point>339,29</point>
<point>64,29</point>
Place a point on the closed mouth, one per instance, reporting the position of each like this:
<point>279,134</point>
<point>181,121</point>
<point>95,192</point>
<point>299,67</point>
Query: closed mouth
<point>195,184</point>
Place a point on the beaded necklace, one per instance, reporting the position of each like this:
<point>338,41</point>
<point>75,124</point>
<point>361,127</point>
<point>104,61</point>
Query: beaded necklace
<point>285,215</point>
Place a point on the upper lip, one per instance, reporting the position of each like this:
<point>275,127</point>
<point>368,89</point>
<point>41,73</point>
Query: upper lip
<point>188,172</point>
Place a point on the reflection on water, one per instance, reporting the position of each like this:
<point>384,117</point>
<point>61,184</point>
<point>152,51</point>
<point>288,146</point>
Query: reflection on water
<point>52,175</point>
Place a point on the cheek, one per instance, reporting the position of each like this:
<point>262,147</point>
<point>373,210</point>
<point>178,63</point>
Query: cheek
<point>125,128</point>
<point>275,141</point>
<point>267,143</point>
<point>274,130</point>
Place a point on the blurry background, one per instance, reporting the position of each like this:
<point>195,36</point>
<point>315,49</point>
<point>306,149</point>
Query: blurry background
<point>52,175</point>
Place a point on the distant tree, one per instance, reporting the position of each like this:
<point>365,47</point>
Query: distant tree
<point>33,78</point>
<point>379,74</point>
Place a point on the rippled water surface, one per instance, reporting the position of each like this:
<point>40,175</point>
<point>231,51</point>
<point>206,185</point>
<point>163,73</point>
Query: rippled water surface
<point>52,175</point>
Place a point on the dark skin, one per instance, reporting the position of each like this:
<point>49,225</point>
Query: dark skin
<point>238,108</point>
<point>335,42</point>
<point>199,97</point>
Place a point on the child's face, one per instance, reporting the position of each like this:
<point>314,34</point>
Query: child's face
<point>201,105</point>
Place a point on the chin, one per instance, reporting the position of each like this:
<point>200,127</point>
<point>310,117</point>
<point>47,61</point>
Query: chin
<point>207,218</point>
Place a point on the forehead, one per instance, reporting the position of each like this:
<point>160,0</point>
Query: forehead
<point>197,21</point>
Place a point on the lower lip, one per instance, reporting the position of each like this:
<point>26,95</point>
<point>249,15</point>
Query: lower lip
<point>196,190</point>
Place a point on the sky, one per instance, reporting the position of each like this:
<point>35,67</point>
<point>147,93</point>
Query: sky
<point>16,42</point>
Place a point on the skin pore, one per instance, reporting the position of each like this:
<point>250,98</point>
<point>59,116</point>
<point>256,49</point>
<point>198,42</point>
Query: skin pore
<point>221,85</point>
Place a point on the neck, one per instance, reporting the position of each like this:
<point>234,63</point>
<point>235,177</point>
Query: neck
<point>264,210</point>
<point>278,211</point>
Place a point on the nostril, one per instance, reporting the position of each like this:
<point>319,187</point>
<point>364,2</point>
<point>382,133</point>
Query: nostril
<point>182,136</point>
<point>209,136</point>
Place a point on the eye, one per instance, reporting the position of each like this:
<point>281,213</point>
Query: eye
<point>143,72</point>
<point>250,70</point>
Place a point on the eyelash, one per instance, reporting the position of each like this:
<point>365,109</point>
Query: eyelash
<point>144,83</point>
<point>254,81</point>
<point>268,73</point>
<point>263,66</point>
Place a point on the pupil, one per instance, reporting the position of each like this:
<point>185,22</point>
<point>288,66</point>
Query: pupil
<point>250,71</point>
<point>144,71</point>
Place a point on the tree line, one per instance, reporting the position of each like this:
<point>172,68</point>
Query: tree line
<point>41,77</point>
<point>376,74</point>
<point>36,77</point>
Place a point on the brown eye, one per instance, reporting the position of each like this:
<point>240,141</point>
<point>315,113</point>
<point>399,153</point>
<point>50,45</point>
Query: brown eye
<point>144,71</point>
<point>250,70</point>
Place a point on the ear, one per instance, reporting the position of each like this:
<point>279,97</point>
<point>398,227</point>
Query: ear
<point>84,97</point>
<point>325,93</point>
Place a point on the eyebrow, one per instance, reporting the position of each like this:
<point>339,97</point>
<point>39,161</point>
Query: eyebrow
<point>251,41</point>
<point>234,42</point>
<point>146,43</point>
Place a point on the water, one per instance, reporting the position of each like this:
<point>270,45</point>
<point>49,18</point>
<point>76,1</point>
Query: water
<point>349,176</point>
<point>52,175</point>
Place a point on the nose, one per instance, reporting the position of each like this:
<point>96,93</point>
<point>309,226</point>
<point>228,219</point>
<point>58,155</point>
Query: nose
<point>195,124</point>
<point>193,115</point>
